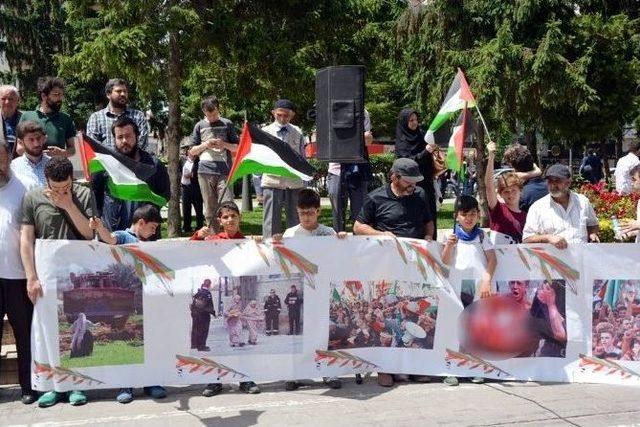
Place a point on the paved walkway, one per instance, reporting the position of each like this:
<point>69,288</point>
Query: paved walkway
<point>497,403</point>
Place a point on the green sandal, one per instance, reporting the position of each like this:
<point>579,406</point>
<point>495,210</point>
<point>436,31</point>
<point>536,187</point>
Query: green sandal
<point>50,398</point>
<point>77,398</point>
<point>451,381</point>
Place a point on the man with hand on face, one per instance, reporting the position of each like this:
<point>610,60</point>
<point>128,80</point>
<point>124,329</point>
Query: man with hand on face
<point>117,214</point>
<point>100,122</point>
<point>59,211</point>
<point>279,192</point>
<point>58,126</point>
<point>562,216</point>
<point>31,164</point>
<point>9,117</point>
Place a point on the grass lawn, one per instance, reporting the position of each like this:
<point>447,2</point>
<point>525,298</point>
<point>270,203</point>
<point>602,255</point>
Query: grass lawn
<point>114,353</point>
<point>251,222</point>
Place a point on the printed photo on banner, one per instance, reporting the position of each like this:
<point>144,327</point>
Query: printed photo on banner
<point>538,306</point>
<point>616,319</point>
<point>382,313</point>
<point>247,315</point>
<point>100,318</point>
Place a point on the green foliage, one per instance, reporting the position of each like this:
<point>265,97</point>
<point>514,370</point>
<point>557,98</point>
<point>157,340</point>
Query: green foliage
<point>108,354</point>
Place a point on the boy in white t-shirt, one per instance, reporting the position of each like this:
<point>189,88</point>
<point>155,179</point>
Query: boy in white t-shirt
<point>629,226</point>
<point>462,247</point>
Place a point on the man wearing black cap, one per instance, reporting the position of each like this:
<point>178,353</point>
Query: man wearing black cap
<point>562,216</point>
<point>399,208</point>
<point>280,192</point>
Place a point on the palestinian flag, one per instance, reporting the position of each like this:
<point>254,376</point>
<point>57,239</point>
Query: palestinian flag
<point>458,97</point>
<point>127,178</point>
<point>456,142</point>
<point>259,152</point>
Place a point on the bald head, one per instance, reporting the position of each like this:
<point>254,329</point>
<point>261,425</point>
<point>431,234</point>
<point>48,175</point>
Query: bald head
<point>9,100</point>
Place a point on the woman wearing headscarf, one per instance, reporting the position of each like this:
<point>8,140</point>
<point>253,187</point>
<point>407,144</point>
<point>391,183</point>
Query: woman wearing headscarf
<point>253,316</point>
<point>82,340</point>
<point>233,319</point>
<point>410,144</point>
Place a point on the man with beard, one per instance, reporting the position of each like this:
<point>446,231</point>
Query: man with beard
<point>31,164</point>
<point>14,301</point>
<point>57,125</point>
<point>562,216</point>
<point>9,116</point>
<point>397,209</point>
<point>100,122</point>
<point>117,214</point>
<point>293,301</point>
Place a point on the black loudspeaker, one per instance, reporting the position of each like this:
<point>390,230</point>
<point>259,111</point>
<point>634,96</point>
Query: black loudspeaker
<point>340,114</point>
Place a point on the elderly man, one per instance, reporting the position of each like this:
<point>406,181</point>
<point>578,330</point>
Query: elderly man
<point>14,301</point>
<point>57,125</point>
<point>100,122</point>
<point>9,117</point>
<point>59,211</point>
<point>117,214</point>
<point>279,192</point>
<point>562,216</point>
<point>624,166</point>
<point>398,209</point>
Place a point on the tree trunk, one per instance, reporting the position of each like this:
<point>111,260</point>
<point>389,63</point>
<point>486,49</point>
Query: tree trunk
<point>173,133</point>
<point>480,169</point>
<point>531,143</point>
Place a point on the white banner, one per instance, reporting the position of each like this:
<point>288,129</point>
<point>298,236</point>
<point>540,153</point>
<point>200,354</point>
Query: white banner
<point>140,315</point>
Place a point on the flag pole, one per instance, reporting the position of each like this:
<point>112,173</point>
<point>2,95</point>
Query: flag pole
<point>484,124</point>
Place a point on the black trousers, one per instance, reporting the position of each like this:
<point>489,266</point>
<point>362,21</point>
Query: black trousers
<point>15,303</point>
<point>294,321</point>
<point>191,196</point>
<point>272,320</point>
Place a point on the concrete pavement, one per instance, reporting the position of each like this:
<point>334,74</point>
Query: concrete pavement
<point>408,404</point>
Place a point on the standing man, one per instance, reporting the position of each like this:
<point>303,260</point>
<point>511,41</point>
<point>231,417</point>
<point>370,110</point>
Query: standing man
<point>190,190</point>
<point>201,312</point>
<point>58,126</point>
<point>214,139</point>
<point>272,309</point>
<point>9,117</point>
<point>100,122</point>
<point>520,159</point>
<point>279,192</point>
<point>348,182</point>
<point>117,214</point>
<point>14,301</point>
<point>61,210</point>
<point>397,209</point>
<point>624,183</point>
<point>293,301</point>
<point>562,216</point>
<point>31,137</point>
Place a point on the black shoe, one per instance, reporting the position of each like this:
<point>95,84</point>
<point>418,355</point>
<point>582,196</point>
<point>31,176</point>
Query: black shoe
<point>291,385</point>
<point>212,389</point>
<point>334,383</point>
<point>204,349</point>
<point>268,333</point>
<point>29,398</point>
<point>249,387</point>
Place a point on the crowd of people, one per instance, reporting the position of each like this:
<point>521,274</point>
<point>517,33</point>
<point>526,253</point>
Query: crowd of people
<point>40,200</point>
<point>616,321</point>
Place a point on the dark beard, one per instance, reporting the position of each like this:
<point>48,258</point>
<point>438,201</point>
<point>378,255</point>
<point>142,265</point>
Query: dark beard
<point>54,106</point>
<point>132,153</point>
<point>119,105</point>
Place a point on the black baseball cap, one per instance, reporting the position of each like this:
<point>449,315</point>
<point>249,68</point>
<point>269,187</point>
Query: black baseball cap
<point>407,169</point>
<point>558,171</point>
<point>283,103</point>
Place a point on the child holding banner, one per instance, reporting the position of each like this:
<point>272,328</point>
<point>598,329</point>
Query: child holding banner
<point>464,244</point>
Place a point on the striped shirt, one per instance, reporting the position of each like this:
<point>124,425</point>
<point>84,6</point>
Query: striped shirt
<point>23,167</point>
<point>99,126</point>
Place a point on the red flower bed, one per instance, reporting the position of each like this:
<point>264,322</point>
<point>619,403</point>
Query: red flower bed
<point>609,203</point>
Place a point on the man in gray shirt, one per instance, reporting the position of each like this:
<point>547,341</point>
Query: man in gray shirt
<point>214,139</point>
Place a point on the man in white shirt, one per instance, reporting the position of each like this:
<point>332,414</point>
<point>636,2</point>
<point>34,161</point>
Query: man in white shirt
<point>14,301</point>
<point>280,192</point>
<point>562,216</point>
<point>624,165</point>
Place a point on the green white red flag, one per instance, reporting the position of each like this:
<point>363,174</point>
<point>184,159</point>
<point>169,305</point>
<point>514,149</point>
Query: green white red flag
<point>260,152</point>
<point>126,177</point>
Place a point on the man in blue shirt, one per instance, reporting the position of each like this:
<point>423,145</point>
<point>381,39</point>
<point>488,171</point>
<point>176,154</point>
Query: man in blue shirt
<point>535,187</point>
<point>9,116</point>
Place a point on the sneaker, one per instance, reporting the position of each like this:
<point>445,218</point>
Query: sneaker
<point>451,381</point>
<point>385,380</point>
<point>291,385</point>
<point>358,378</point>
<point>249,387</point>
<point>420,378</point>
<point>477,380</point>
<point>50,398</point>
<point>155,392</point>
<point>212,389</point>
<point>125,395</point>
<point>333,382</point>
<point>29,397</point>
<point>77,398</point>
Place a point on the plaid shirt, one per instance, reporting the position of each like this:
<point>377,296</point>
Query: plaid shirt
<point>24,167</point>
<point>99,126</point>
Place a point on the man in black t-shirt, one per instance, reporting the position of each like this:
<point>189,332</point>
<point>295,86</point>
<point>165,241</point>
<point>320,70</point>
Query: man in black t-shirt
<point>399,208</point>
